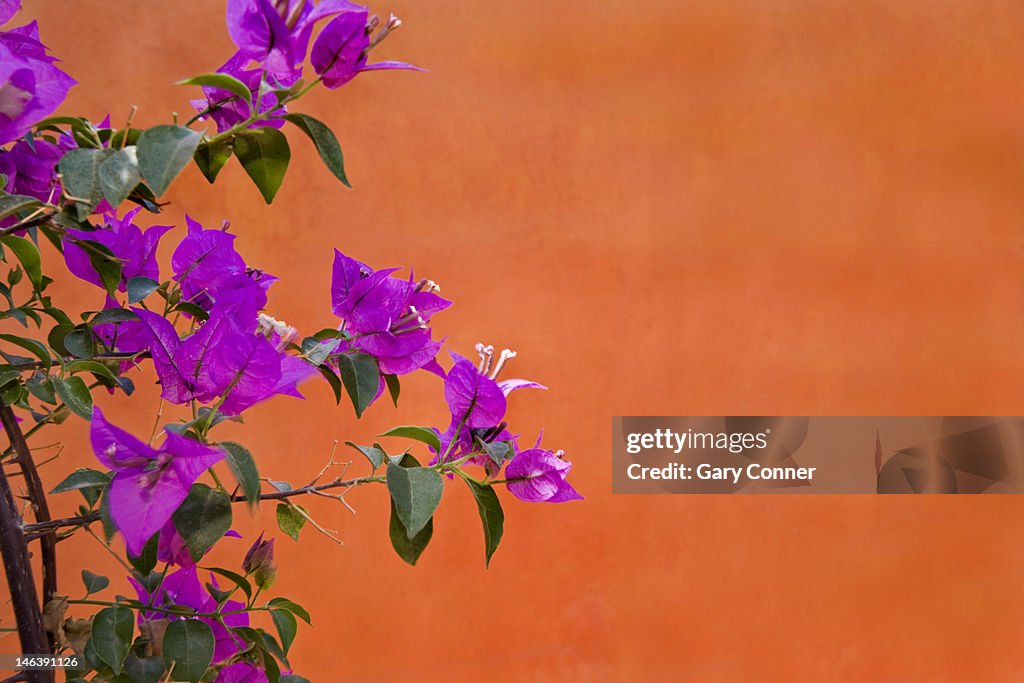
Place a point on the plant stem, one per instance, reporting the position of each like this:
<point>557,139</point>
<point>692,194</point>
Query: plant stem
<point>110,550</point>
<point>455,437</point>
<point>180,612</point>
<point>303,490</point>
<point>37,498</point>
<point>261,116</point>
<point>28,223</point>
<point>35,530</point>
<point>18,567</point>
<point>36,365</point>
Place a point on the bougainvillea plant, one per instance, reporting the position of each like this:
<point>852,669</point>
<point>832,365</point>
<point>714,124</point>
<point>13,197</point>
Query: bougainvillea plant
<point>74,194</point>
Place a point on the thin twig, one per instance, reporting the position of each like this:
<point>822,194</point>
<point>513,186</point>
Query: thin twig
<point>329,533</point>
<point>43,528</point>
<point>156,421</point>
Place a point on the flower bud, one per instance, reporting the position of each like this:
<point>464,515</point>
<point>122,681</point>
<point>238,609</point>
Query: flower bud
<point>266,576</point>
<point>259,561</point>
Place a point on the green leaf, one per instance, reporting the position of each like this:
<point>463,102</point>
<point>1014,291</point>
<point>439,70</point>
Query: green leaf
<point>264,155</point>
<point>316,351</point>
<point>221,81</point>
<point>145,562</point>
<point>55,338</point>
<point>37,349</point>
<point>292,678</point>
<point>236,579</point>
<point>13,393</point>
<point>188,647</point>
<point>140,287</point>
<point>75,394</point>
<point>293,607</point>
<point>271,667</point>
<point>82,478</point>
<point>113,315</point>
<point>94,583</point>
<point>373,454</point>
<point>491,515</point>
<point>95,367</point>
<point>409,549</point>
<point>8,376</point>
<point>124,138</point>
<point>421,434</point>
<point>193,310</point>
<point>203,519</point>
<point>28,254</point>
<point>211,158</point>
<point>361,377</point>
<point>87,136</point>
<point>406,459</point>
<point>287,627</point>
<point>270,644</point>
<point>119,174</point>
<point>106,265</point>
<point>163,153</point>
<point>112,630</point>
<point>79,170</point>
<point>55,121</point>
<point>416,493</point>
<point>326,144</point>
<point>497,451</point>
<point>41,387</point>
<point>109,528</point>
<point>394,387</point>
<point>144,670</point>
<point>11,204</point>
<point>332,381</point>
<point>290,520</point>
<point>79,343</point>
<point>214,418</point>
<point>92,660</point>
<point>244,468</point>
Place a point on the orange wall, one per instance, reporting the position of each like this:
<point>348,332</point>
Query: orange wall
<point>667,208</point>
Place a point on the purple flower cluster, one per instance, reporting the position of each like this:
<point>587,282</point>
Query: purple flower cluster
<point>386,317</point>
<point>477,401</point>
<point>149,483</point>
<point>235,357</point>
<point>241,672</point>
<point>273,39</point>
<point>207,267</point>
<point>227,109</point>
<point>341,50</point>
<point>182,588</point>
<point>133,247</point>
<point>31,167</point>
<point>31,87</point>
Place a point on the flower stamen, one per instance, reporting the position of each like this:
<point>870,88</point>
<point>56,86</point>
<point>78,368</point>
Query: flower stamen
<point>269,326</point>
<point>393,23</point>
<point>506,354</point>
<point>428,285</point>
<point>486,357</point>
